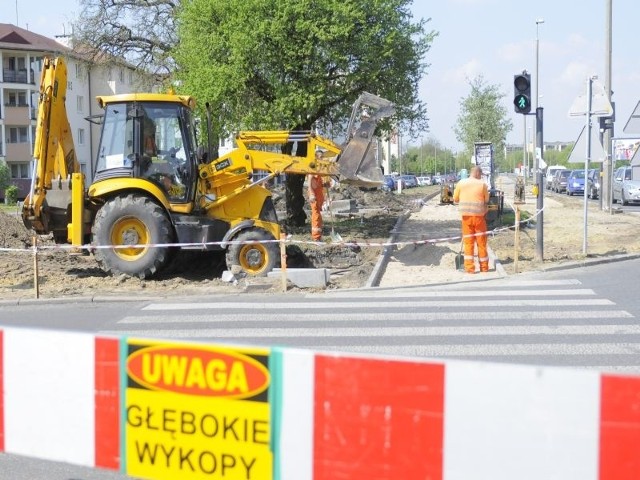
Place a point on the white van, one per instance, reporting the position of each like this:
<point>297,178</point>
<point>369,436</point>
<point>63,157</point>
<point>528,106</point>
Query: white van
<point>550,174</point>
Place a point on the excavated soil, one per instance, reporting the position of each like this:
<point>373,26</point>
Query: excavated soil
<point>63,273</point>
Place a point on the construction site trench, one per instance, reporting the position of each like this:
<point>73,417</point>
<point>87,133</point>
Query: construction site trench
<point>364,229</point>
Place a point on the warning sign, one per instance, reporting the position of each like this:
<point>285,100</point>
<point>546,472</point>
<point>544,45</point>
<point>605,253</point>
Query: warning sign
<point>197,411</point>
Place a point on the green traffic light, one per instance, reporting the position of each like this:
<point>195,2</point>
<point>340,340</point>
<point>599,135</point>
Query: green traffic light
<point>522,92</point>
<point>522,102</point>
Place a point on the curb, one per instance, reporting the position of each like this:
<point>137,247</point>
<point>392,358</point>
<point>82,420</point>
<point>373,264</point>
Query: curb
<point>383,260</point>
<point>381,264</point>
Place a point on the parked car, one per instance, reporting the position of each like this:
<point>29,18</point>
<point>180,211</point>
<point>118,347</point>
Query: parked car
<point>593,183</point>
<point>625,188</point>
<point>551,171</point>
<point>575,183</point>
<point>559,184</point>
<point>424,180</point>
<point>410,181</point>
<point>388,184</point>
<point>397,180</point>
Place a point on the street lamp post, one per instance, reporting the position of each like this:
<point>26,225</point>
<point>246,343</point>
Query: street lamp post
<point>539,148</point>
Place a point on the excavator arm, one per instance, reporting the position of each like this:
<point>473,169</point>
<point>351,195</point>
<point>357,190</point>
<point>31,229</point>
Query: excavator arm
<point>45,208</point>
<point>354,163</point>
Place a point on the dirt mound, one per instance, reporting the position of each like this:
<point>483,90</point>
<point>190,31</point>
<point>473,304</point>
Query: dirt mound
<point>62,273</point>
<point>13,234</point>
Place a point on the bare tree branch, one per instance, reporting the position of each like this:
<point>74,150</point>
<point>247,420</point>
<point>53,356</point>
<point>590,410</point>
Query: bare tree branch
<point>143,32</point>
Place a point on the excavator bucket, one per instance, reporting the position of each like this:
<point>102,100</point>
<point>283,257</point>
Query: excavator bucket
<point>358,163</point>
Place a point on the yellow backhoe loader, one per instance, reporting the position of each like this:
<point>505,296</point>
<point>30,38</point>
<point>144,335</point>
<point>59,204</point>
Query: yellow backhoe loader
<point>154,190</point>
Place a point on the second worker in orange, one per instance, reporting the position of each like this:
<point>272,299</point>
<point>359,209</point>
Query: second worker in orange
<point>472,197</point>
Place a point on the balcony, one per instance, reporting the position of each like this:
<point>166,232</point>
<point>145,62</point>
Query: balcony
<point>18,152</point>
<point>18,115</point>
<point>17,76</point>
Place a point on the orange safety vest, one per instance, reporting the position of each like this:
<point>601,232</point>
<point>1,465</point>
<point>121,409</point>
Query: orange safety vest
<point>472,196</point>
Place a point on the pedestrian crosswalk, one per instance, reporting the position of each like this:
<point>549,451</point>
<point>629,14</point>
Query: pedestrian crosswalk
<point>542,322</point>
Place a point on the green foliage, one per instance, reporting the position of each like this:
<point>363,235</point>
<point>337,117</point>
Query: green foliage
<point>5,176</point>
<point>431,158</point>
<point>11,194</point>
<point>296,64</point>
<point>555,157</point>
<point>483,118</point>
<point>268,64</point>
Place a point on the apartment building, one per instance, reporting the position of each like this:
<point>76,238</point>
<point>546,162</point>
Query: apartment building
<point>21,56</point>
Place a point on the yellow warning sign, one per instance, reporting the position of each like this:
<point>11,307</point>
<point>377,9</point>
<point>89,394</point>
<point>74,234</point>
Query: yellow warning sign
<point>197,411</point>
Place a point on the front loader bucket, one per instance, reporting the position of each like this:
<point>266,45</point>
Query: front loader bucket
<point>358,163</point>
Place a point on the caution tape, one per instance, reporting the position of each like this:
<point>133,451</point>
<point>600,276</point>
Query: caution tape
<point>288,239</point>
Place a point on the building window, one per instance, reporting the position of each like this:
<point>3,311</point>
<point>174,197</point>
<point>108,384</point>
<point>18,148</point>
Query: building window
<point>69,85</point>
<point>78,71</point>
<point>80,103</point>
<point>81,136</point>
<point>20,170</point>
<point>130,77</point>
<point>17,135</point>
<point>122,75</point>
<point>16,99</point>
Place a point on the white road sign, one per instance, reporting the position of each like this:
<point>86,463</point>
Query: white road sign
<point>600,104</point>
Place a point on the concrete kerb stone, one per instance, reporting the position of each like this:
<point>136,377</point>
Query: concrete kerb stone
<point>588,262</point>
<point>381,264</point>
<point>84,299</point>
<point>379,269</point>
<point>304,277</point>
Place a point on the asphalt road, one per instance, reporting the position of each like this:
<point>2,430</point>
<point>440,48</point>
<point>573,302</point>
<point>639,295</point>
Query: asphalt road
<point>585,317</point>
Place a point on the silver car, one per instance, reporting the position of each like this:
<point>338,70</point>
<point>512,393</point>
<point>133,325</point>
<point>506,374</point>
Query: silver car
<point>625,188</point>
<point>559,184</point>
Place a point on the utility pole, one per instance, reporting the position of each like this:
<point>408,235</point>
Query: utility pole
<point>539,148</point>
<point>525,162</point>
<point>607,164</point>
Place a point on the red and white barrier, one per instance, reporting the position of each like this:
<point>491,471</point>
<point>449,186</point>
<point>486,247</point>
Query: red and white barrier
<point>336,416</point>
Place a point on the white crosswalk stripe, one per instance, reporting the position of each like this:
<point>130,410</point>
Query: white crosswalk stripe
<point>541,322</point>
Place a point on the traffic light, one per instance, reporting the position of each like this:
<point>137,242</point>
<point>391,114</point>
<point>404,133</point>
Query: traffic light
<point>522,92</point>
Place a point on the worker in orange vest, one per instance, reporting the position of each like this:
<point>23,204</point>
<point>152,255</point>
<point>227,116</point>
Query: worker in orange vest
<point>472,197</point>
<point>315,187</point>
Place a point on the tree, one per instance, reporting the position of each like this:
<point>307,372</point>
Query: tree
<point>482,118</point>
<point>555,157</point>
<point>141,31</point>
<point>5,176</point>
<point>268,64</point>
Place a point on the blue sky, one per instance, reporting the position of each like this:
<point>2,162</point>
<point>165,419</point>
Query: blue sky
<point>492,38</point>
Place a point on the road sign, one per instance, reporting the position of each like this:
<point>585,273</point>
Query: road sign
<point>600,104</point>
<point>633,124</point>
<point>578,151</point>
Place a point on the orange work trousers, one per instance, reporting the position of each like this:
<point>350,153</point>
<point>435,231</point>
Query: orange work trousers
<point>316,212</point>
<point>475,225</point>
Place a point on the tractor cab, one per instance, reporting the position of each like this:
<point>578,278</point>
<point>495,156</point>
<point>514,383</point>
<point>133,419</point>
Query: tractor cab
<point>149,137</point>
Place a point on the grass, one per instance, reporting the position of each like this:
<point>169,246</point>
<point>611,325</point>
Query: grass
<point>509,217</point>
<point>9,208</point>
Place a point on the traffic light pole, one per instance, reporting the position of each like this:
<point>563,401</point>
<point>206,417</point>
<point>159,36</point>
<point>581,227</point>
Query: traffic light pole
<point>540,183</point>
<point>522,105</point>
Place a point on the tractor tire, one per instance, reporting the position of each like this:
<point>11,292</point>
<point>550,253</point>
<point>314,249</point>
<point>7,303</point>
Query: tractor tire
<point>132,220</point>
<point>253,259</point>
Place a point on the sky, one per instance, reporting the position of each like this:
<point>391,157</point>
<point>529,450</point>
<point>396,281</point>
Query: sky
<point>492,38</point>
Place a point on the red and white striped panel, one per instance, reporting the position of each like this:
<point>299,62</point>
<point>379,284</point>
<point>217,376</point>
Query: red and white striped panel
<point>60,396</point>
<point>348,417</point>
<point>395,418</point>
